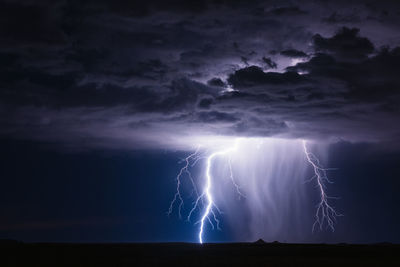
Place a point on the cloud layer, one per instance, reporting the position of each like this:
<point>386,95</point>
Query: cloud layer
<point>133,75</point>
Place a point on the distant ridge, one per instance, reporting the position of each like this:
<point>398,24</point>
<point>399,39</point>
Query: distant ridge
<point>260,241</point>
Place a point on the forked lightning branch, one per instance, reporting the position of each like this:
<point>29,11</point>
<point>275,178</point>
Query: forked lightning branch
<point>204,201</point>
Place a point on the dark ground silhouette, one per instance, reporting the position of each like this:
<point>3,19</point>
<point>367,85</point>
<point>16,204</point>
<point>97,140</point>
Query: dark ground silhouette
<point>185,254</point>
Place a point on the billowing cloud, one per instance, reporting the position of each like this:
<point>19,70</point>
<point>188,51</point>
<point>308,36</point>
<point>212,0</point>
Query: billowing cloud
<point>111,74</point>
<point>294,53</point>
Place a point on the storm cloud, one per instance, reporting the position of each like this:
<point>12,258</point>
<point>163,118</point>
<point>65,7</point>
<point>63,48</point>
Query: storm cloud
<point>118,74</point>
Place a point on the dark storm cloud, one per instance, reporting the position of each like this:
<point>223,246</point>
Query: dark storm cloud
<point>253,75</point>
<point>22,23</point>
<point>116,72</point>
<point>216,82</point>
<point>342,18</point>
<point>289,10</point>
<point>269,62</point>
<point>293,53</point>
<point>345,44</point>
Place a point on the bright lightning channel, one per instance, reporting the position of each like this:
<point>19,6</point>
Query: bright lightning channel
<point>185,169</point>
<point>205,196</point>
<point>325,212</point>
<point>210,201</point>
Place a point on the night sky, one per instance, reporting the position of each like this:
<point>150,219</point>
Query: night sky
<point>100,101</point>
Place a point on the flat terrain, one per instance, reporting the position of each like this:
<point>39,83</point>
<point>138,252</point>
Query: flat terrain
<point>183,254</point>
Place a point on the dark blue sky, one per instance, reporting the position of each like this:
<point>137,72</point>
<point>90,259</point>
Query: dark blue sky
<point>119,196</point>
<point>99,196</point>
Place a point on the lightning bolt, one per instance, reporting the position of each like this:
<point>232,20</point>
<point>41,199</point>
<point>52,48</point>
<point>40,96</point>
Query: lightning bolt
<point>207,193</point>
<point>205,198</point>
<point>237,187</point>
<point>325,213</point>
<point>185,169</point>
